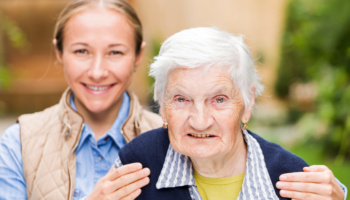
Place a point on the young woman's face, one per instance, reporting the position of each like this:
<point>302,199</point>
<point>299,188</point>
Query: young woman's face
<point>98,58</point>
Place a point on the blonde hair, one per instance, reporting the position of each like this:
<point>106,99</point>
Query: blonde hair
<point>75,6</point>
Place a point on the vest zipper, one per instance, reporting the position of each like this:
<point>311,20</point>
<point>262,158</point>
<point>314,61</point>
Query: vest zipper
<point>71,189</point>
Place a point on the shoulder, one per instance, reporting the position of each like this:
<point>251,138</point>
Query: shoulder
<point>12,182</point>
<point>10,150</point>
<point>154,120</point>
<point>147,120</point>
<point>278,160</point>
<point>277,157</point>
<point>35,123</point>
<point>41,115</point>
<point>11,136</point>
<point>145,146</point>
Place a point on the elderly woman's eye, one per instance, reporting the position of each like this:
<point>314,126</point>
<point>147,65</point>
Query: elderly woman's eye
<point>180,99</point>
<point>219,100</point>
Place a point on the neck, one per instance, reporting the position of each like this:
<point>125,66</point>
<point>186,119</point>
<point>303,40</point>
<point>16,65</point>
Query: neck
<point>230,164</point>
<point>102,121</point>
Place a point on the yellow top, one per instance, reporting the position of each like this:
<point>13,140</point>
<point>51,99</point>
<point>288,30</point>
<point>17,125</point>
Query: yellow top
<point>219,188</point>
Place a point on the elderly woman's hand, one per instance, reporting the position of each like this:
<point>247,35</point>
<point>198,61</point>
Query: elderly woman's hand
<point>122,183</point>
<point>316,182</point>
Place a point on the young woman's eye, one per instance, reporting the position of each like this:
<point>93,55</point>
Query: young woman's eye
<point>81,51</point>
<point>115,52</point>
<point>219,100</point>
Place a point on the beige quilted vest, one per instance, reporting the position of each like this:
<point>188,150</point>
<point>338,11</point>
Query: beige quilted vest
<point>49,139</point>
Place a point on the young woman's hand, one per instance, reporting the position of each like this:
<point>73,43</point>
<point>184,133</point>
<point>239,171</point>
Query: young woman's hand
<point>316,182</point>
<point>123,183</point>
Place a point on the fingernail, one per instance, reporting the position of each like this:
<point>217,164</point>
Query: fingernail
<point>138,166</point>
<point>283,177</point>
<point>146,171</point>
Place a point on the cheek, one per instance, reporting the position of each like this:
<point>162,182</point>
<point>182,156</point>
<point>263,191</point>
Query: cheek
<point>70,73</point>
<point>170,115</point>
<point>72,69</point>
<point>123,70</point>
<point>228,120</point>
<point>176,119</point>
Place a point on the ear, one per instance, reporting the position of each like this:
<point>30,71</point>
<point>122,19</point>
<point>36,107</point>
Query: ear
<point>140,55</point>
<point>58,53</point>
<point>248,110</point>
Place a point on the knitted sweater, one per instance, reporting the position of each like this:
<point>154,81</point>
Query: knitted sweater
<point>150,150</point>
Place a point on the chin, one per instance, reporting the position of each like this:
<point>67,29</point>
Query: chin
<point>201,153</point>
<point>96,108</point>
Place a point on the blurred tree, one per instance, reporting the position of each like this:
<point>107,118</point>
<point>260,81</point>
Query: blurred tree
<point>316,51</point>
<point>155,48</point>
<point>16,39</point>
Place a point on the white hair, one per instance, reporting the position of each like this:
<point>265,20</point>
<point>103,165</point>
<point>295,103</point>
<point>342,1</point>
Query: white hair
<point>206,47</point>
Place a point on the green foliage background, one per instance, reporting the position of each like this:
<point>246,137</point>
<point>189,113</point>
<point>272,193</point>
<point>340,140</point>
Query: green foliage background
<point>316,50</point>
<point>11,32</point>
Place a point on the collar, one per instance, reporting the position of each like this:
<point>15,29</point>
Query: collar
<point>177,171</point>
<point>73,122</point>
<point>114,132</point>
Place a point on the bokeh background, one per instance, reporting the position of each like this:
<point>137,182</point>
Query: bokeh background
<point>301,47</point>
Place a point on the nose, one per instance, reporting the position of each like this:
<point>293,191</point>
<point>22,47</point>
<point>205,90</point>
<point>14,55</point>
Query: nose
<point>98,69</point>
<point>201,117</point>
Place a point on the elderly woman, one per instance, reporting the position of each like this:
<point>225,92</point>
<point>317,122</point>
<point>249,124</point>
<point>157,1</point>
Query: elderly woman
<point>206,85</point>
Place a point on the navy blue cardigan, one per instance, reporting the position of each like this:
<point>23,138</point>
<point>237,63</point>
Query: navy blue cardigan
<point>150,150</point>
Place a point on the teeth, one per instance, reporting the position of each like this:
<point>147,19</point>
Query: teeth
<point>201,135</point>
<point>96,88</point>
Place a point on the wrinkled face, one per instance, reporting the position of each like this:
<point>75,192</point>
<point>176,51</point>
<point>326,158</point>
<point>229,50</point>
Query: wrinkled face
<point>98,58</point>
<point>203,110</point>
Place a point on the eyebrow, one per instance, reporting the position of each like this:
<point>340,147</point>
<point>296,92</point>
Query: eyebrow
<point>109,46</point>
<point>174,90</point>
<point>179,89</point>
<point>116,45</point>
<point>80,43</point>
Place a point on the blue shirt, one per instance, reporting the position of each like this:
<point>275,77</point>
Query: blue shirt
<point>94,158</point>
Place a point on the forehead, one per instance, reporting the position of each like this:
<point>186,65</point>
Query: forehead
<point>99,21</point>
<point>200,79</point>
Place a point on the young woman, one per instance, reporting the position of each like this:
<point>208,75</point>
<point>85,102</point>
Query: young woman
<point>67,150</point>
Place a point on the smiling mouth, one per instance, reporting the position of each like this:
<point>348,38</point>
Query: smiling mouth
<point>200,135</point>
<point>97,88</point>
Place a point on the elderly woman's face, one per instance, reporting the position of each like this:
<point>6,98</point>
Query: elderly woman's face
<point>203,110</point>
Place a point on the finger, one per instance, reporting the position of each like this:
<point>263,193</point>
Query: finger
<point>300,195</point>
<point>133,195</point>
<point>130,178</point>
<point>321,189</point>
<point>122,181</point>
<point>309,177</point>
<point>316,168</point>
<point>132,190</point>
<point>123,170</point>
